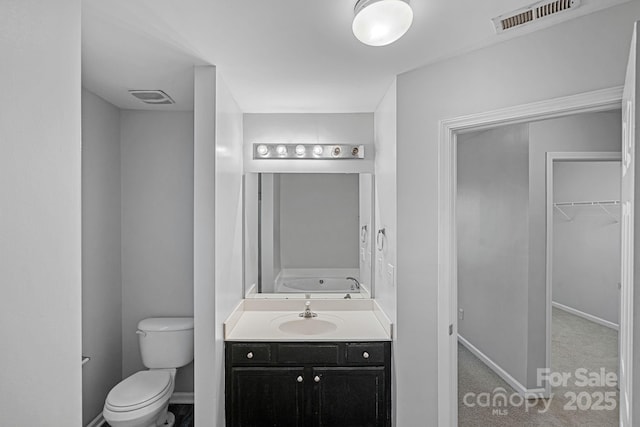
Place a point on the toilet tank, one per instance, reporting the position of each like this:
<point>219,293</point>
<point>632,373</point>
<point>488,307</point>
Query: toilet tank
<point>166,342</point>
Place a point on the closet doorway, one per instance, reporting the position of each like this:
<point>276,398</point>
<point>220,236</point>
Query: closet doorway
<point>501,211</point>
<point>583,278</point>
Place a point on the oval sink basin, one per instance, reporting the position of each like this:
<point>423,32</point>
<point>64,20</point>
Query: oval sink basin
<point>307,327</point>
<point>293,325</point>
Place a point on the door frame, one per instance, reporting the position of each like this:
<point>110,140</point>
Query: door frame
<point>578,156</point>
<point>447,332</point>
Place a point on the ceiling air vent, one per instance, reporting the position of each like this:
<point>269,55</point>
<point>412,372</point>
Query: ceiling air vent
<point>532,13</point>
<point>155,97</point>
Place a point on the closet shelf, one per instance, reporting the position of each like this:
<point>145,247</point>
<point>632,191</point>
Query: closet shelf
<point>600,203</point>
<point>589,203</point>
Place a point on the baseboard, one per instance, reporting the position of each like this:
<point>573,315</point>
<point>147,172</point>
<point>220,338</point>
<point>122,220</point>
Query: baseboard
<point>584,315</point>
<point>182,398</point>
<point>530,393</point>
<point>97,421</point>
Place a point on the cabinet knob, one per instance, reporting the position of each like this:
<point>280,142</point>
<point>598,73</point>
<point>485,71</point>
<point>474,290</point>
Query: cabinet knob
<point>365,355</point>
<point>300,379</point>
<point>316,379</point>
<point>250,355</point>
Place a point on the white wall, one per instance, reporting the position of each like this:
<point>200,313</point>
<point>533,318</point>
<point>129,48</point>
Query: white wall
<point>204,244</point>
<point>101,266</point>
<point>507,74</point>
<point>586,250</point>
<point>319,225</point>
<point>385,201</point>
<point>352,128</point>
<point>217,235</point>
<point>385,216</point>
<point>157,225</point>
<point>493,244</point>
<point>228,227</point>
<point>40,214</point>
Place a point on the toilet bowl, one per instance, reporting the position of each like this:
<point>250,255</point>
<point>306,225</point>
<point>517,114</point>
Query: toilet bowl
<point>142,399</point>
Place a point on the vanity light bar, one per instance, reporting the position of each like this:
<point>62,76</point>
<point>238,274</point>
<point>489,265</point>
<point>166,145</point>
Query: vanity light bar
<point>308,151</point>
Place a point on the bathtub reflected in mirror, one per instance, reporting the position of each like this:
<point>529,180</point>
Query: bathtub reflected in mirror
<point>308,234</point>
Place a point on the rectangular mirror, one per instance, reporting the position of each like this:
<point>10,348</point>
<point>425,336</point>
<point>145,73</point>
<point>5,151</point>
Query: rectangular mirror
<point>308,233</point>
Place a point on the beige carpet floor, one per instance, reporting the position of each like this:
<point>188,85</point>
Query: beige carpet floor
<point>577,343</point>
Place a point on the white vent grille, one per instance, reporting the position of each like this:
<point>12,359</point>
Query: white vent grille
<point>533,13</point>
<point>154,97</point>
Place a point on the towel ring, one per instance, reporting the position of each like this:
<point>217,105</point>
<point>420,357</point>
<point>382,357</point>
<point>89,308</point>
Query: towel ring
<point>363,234</point>
<point>380,238</point>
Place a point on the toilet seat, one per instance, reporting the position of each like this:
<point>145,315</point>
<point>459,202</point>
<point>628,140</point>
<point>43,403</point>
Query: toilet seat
<point>140,390</point>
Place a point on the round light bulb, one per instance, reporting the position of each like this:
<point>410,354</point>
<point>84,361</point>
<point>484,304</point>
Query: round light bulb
<point>381,22</point>
<point>281,150</point>
<point>317,150</point>
<point>300,150</point>
<point>262,150</point>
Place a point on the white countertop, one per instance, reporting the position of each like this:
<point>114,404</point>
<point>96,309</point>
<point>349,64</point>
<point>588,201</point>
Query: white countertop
<point>354,320</point>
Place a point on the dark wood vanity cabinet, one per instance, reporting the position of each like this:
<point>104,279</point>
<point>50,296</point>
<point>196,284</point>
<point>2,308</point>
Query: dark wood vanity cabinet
<point>308,384</point>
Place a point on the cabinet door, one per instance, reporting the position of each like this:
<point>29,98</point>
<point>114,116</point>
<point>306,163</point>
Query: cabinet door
<point>266,397</point>
<point>350,397</point>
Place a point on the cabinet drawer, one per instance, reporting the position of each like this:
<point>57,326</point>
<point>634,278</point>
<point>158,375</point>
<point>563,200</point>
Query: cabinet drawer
<point>365,353</point>
<point>308,353</point>
<point>250,354</point>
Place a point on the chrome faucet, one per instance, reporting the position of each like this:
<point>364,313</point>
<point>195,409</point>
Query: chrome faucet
<point>307,314</point>
<point>356,284</point>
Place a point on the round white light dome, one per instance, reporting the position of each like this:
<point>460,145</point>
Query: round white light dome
<point>381,22</point>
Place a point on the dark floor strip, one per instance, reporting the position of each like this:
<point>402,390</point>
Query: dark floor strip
<point>183,413</point>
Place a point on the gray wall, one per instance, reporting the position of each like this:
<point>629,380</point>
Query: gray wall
<point>101,267</point>
<point>586,250</point>
<point>507,74</point>
<point>493,244</point>
<point>157,225</point>
<point>40,217</point>
<point>319,220</point>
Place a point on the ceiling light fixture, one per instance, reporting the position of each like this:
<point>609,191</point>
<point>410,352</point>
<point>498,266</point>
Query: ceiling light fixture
<point>381,22</point>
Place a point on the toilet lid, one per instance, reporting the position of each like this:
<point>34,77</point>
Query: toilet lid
<point>139,390</point>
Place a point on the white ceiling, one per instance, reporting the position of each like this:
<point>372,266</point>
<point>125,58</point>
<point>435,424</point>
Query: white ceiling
<point>275,55</point>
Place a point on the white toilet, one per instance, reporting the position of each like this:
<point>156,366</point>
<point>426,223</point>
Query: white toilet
<point>141,400</point>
